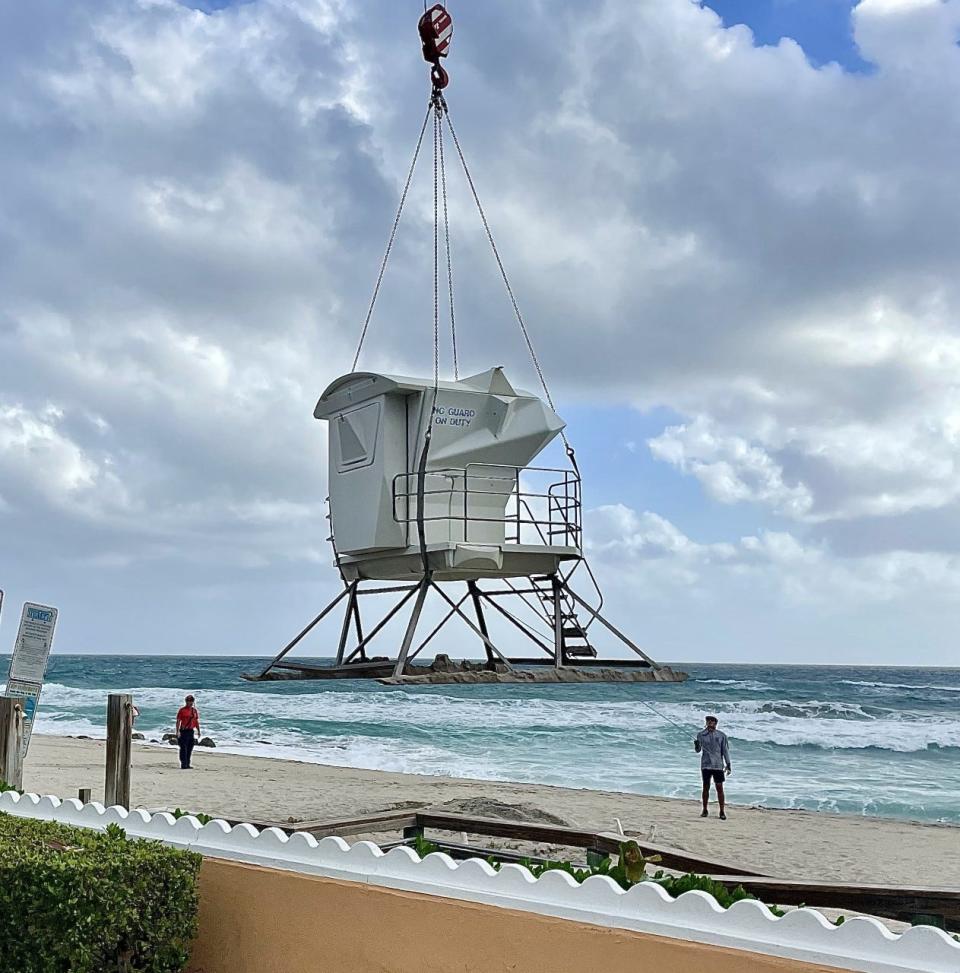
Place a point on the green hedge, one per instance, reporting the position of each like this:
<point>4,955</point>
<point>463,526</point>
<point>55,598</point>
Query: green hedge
<point>79,901</point>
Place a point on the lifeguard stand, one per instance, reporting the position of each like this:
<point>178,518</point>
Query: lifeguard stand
<point>432,483</point>
<point>479,518</point>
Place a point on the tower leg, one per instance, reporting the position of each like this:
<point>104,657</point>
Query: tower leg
<point>356,619</point>
<point>611,627</point>
<point>422,590</point>
<point>557,621</point>
<point>347,618</point>
<point>485,638</point>
<point>481,621</point>
<point>305,631</point>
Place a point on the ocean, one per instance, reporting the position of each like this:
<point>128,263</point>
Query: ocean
<point>870,741</point>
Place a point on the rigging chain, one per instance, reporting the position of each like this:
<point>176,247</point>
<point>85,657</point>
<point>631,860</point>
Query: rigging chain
<point>435,101</point>
<point>446,234</point>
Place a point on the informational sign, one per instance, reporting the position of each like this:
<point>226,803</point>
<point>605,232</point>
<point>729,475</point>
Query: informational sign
<point>29,661</point>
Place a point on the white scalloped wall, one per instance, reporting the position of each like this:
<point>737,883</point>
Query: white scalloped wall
<point>861,944</point>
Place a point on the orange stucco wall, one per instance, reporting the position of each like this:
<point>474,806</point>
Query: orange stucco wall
<point>262,920</point>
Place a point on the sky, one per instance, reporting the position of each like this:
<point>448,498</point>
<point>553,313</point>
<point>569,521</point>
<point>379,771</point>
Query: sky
<point>733,227</point>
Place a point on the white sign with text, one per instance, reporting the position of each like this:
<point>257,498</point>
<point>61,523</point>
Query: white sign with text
<point>28,664</point>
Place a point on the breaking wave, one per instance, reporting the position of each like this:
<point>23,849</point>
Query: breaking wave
<point>306,722</point>
<point>900,685</point>
<point>750,685</point>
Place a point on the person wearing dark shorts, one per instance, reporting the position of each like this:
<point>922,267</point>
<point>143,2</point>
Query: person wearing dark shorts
<point>714,752</point>
<point>188,729</point>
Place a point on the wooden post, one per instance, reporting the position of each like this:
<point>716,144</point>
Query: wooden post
<point>85,795</point>
<point>11,741</point>
<point>116,789</point>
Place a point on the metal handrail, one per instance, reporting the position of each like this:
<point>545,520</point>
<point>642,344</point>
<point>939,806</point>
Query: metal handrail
<point>562,516</point>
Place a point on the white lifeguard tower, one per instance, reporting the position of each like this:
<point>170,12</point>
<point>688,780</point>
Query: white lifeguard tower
<point>479,518</point>
<point>431,485</point>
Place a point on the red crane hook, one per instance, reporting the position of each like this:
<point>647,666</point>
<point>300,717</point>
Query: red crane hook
<point>436,31</point>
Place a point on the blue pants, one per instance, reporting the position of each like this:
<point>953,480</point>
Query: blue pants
<point>186,748</point>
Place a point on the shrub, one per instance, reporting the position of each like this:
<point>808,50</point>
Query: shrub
<point>630,869</point>
<point>74,900</point>
<point>199,815</point>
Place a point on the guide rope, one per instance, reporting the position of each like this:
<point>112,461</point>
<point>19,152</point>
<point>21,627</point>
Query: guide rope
<point>650,706</point>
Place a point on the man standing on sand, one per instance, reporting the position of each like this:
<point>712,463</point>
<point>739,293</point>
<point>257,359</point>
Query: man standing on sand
<point>714,752</point>
<point>188,730</point>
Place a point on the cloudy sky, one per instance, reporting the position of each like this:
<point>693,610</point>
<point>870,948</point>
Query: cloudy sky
<point>734,228</point>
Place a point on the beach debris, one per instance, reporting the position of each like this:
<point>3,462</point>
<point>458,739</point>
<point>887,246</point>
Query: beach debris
<point>489,807</point>
<point>206,742</point>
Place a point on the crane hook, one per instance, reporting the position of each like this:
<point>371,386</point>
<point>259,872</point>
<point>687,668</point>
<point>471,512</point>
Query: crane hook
<point>436,31</point>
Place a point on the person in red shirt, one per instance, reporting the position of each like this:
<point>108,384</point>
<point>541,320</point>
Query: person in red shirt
<point>188,731</point>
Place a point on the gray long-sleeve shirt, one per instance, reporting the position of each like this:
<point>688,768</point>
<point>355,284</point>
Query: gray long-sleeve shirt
<point>714,751</point>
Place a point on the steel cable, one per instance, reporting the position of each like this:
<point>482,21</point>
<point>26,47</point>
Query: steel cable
<point>393,234</point>
<point>446,233</point>
<point>506,280</point>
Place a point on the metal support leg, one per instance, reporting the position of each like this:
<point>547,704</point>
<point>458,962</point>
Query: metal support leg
<point>446,618</point>
<point>412,626</point>
<point>485,639</point>
<point>516,621</point>
<point>305,631</point>
<point>359,627</point>
<point>557,622</point>
<point>347,618</point>
<point>481,620</point>
<point>383,621</point>
<point>611,628</point>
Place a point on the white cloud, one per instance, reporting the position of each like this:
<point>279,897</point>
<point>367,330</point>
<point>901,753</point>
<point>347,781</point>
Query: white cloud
<point>194,207</point>
<point>730,468</point>
<point>38,457</point>
<point>655,559</point>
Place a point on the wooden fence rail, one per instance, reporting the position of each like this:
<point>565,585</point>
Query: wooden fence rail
<point>935,906</point>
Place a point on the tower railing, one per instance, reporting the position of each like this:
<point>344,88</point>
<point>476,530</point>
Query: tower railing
<point>538,506</point>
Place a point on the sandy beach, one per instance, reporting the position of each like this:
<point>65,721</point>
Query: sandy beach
<point>790,844</point>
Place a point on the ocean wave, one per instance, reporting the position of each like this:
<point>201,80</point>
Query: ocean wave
<point>750,685</point>
<point>301,719</point>
<point>399,707</point>
<point>899,685</point>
